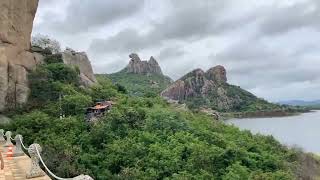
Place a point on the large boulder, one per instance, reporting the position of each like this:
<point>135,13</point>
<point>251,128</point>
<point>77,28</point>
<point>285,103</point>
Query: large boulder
<point>137,66</point>
<point>81,61</point>
<point>16,60</point>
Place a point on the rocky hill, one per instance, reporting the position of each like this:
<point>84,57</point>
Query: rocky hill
<point>137,66</point>
<point>70,57</point>
<point>16,60</point>
<point>210,89</point>
<point>81,61</point>
<point>141,77</point>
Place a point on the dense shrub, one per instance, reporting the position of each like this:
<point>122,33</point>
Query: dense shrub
<point>142,137</point>
<point>63,73</point>
<point>54,58</point>
<point>139,84</point>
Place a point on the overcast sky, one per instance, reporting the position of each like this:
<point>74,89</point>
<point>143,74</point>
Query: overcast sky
<point>270,48</point>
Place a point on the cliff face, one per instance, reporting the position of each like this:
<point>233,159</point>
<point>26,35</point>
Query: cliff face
<point>80,60</point>
<point>208,89</point>
<point>16,21</point>
<point>137,66</point>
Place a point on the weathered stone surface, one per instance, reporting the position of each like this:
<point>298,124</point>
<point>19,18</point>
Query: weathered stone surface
<point>39,58</point>
<point>8,137</point>
<point>175,92</point>
<point>18,148</point>
<point>80,60</point>
<point>16,21</point>
<point>2,140</point>
<point>35,170</point>
<point>136,65</point>
<point>217,74</point>
<point>210,86</point>
<point>83,177</point>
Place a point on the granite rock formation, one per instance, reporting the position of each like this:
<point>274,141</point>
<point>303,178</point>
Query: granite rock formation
<point>81,61</point>
<point>141,77</point>
<point>207,89</point>
<point>16,60</point>
<point>137,66</point>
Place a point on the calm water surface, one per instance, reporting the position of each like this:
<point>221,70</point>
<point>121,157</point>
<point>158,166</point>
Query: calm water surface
<point>302,130</point>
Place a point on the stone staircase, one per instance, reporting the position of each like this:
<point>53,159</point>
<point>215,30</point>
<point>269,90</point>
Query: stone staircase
<point>15,168</point>
<point>18,166</point>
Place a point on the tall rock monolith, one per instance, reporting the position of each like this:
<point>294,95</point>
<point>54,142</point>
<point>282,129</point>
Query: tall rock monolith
<point>16,59</point>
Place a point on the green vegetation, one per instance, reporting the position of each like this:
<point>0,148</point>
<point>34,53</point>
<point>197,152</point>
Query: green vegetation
<point>141,138</point>
<point>311,107</point>
<point>141,84</point>
<point>314,107</point>
<point>241,100</point>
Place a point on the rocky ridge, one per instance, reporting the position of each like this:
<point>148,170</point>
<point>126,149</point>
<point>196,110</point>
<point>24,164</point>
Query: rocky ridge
<point>16,60</point>
<point>141,77</point>
<point>137,66</point>
<point>208,89</point>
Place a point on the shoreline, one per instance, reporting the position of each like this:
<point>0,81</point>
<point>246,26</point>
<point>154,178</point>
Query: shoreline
<point>261,114</point>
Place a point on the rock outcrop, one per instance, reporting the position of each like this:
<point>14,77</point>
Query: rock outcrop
<point>136,65</point>
<point>141,78</point>
<point>207,89</point>
<point>81,61</point>
<point>16,60</point>
<point>217,74</point>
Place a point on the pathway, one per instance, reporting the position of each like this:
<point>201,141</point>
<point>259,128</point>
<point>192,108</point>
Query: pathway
<point>15,168</point>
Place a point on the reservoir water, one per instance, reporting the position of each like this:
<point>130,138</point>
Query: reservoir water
<point>302,130</point>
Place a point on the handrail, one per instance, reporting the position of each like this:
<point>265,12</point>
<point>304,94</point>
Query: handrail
<point>47,169</point>
<point>34,161</point>
<point>24,147</point>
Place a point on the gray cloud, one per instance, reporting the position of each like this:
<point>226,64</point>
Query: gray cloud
<point>268,47</point>
<point>189,22</point>
<point>261,68</point>
<point>300,15</point>
<point>171,52</point>
<point>85,15</point>
<point>128,40</point>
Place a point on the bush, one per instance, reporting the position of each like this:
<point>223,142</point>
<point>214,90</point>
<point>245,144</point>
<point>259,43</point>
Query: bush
<point>63,73</point>
<point>75,104</point>
<point>141,137</point>
<point>55,58</point>
<point>236,172</point>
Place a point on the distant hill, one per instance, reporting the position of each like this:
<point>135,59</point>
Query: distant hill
<point>300,103</point>
<point>309,104</point>
<point>211,90</point>
<point>141,77</point>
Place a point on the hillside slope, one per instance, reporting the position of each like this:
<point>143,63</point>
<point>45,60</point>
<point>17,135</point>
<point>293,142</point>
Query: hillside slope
<point>141,84</point>
<point>211,90</point>
<point>141,77</point>
<point>141,137</point>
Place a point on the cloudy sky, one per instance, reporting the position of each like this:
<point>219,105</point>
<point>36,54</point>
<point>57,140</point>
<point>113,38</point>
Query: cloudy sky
<point>270,48</point>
